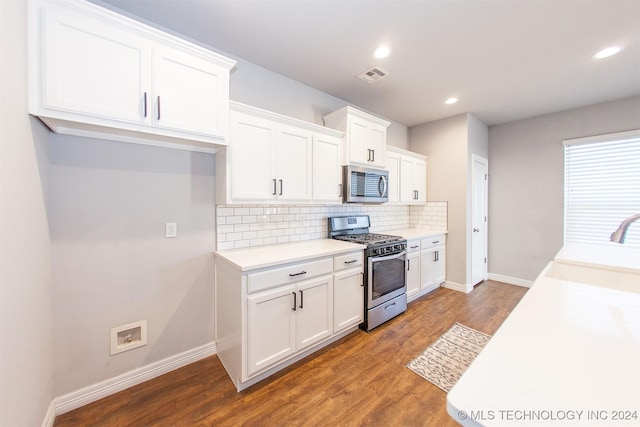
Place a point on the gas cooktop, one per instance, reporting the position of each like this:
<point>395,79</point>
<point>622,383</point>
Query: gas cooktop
<point>368,238</point>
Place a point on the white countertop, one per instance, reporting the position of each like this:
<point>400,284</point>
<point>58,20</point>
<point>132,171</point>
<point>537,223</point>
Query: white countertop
<point>567,354</point>
<point>270,255</point>
<point>414,233</point>
<point>612,257</point>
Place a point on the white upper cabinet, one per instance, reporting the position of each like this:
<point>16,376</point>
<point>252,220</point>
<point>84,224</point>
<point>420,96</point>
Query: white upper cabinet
<point>273,158</point>
<point>411,176</point>
<point>393,166</point>
<point>191,93</point>
<point>366,136</point>
<point>93,72</point>
<point>327,169</point>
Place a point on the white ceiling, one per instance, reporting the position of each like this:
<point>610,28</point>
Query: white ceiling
<point>504,59</point>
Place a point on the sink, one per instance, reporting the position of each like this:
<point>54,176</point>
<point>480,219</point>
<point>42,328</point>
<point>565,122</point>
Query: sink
<point>611,278</point>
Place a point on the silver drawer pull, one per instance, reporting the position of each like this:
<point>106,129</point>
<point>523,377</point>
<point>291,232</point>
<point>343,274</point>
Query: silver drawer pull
<point>437,241</point>
<point>414,247</point>
<point>297,274</point>
<point>351,262</point>
<point>389,306</point>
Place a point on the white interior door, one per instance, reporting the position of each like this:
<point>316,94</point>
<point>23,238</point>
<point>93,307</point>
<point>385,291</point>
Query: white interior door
<point>479,209</point>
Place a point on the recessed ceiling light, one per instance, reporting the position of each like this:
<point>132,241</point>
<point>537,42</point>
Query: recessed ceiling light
<point>451,101</point>
<point>381,52</point>
<point>605,53</point>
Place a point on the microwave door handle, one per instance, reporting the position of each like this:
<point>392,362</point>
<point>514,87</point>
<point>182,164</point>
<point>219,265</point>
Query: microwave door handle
<point>383,180</point>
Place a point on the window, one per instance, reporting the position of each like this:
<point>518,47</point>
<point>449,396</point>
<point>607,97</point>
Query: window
<point>602,187</point>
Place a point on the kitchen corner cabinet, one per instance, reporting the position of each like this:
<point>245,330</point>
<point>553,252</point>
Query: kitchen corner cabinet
<point>270,317</point>
<point>93,72</point>
<point>365,136</point>
<point>433,262</point>
<point>409,171</point>
<point>272,158</point>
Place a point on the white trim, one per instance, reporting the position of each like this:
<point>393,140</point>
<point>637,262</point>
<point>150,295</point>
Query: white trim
<point>50,416</point>
<point>95,392</point>
<point>458,286</point>
<point>510,280</point>
<point>602,138</point>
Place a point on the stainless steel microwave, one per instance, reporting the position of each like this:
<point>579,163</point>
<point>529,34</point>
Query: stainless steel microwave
<point>364,185</point>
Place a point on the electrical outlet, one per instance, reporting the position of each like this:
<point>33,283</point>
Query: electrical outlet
<point>171,229</point>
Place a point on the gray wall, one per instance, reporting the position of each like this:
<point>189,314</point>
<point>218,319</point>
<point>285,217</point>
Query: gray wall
<point>526,184</point>
<point>259,87</point>
<point>445,142</point>
<point>26,361</point>
<point>112,264</point>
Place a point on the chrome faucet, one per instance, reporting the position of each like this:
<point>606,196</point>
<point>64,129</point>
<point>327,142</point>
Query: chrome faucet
<point>618,235</point>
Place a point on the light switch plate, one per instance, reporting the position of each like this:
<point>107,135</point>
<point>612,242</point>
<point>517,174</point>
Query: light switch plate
<point>171,229</point>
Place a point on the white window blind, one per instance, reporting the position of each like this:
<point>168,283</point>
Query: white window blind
<point>602,187</point>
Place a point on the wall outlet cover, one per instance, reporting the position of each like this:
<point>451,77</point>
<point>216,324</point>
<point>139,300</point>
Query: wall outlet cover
<point>129,336</point>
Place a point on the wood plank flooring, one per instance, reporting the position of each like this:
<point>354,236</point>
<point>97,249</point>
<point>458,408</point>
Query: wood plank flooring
<point>361,380</point>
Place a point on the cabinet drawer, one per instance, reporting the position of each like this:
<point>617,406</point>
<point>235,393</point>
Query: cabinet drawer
<point>351,260</point>
<point>413,246</point>
<point>290,274</point>
<point>432,242</point>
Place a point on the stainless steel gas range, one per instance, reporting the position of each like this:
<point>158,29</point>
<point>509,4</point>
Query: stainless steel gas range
<point>384,274</point>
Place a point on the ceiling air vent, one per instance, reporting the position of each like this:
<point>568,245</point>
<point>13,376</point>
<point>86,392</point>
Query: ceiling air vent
<point>373,75</point>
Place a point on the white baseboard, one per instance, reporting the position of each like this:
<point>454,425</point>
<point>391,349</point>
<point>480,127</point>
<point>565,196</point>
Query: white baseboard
<point>510,280</point>
<point>94,392</point>
<point>50,416</point>
<point>457,286</point>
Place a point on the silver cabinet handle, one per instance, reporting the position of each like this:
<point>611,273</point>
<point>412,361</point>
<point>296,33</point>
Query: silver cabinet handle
<point>158,107</point>
<point>294,301</point>
<point>301,299</point>
<point>373,155</point>
<point>476,230</point>
<point>281,187</point>
<point>145,104</point>
<point>408,265</point>
<point>351,262</point>
<point>339,190</point>
<point>414,247</point>
<point>274,186</point>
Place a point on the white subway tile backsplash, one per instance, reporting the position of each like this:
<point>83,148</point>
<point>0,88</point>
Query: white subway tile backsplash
<point>250,225</point>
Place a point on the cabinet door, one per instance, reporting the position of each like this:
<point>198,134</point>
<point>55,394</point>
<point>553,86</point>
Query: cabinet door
<point>253,144</point>
<point>190,93</point>
<point>93,69</point>
<point>420,179</point>
<point>378,142</point>
<point>358,134</point>
<point>440,265</point>
<point>294,156</point>
<point>393,166</point>
<point>407,191</point>
<point>413,273</point>
<point>314,311</point>
<point>427,265</point>
<point>348,300</point>
<point>327,169</point>
<point>271,327</point>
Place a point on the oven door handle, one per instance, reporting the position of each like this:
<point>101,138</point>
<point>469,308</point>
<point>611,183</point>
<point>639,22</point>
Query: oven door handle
<point>386,258</point>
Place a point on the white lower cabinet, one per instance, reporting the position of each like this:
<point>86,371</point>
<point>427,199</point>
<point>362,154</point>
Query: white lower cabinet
<point>433,262</point>
<point>288,319</point>
<point>413,267</point>
<point>267,318</point>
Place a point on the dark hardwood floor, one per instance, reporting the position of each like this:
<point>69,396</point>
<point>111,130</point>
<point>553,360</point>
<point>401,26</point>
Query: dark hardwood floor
<point>361,380</point>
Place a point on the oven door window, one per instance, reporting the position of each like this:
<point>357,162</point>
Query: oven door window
<point>388,276</point>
